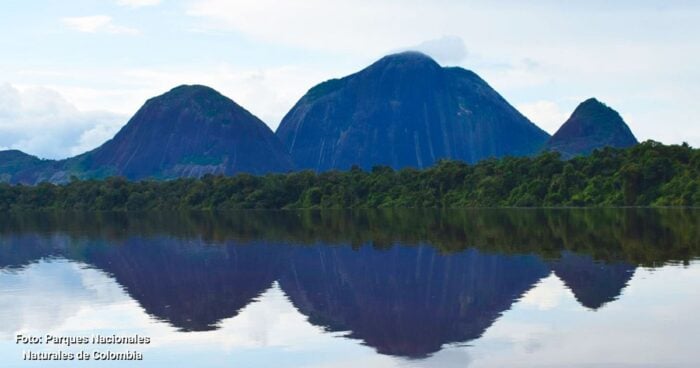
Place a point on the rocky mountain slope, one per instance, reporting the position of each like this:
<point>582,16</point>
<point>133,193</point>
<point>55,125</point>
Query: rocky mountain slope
<point>189,131</point>
<point>405,110</point>
<point>592,125</point>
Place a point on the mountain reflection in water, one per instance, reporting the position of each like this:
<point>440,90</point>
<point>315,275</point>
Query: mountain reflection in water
<point>405,283</point>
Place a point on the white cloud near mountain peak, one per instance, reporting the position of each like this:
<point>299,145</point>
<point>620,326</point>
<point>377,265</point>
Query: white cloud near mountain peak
<point>40,121</point>
<point>447,50</point>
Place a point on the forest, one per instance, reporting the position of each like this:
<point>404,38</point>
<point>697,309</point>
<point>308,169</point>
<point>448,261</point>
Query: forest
<point>648,174</point>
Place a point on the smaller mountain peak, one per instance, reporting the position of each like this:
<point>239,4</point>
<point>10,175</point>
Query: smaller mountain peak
<point>192,87</point>
<point>191,90</point>
<point>594,103</point>
<point>190,94</point>
<point>592,125</point>
<point>593,107</point>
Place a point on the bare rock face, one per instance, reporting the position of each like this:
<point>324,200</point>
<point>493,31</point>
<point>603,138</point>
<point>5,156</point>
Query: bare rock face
<point>189,131</point>
<point>592,125</point>
<point>405,110</point>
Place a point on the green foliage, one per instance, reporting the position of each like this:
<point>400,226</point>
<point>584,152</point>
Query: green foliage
<point>649,174</point>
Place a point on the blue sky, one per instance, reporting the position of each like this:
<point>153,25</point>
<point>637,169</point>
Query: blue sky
<point>72,73</point>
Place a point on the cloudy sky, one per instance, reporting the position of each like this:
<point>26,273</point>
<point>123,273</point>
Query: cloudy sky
<point>73,72</point>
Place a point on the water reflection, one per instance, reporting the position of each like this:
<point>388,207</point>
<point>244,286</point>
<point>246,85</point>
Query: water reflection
<point>191,286</point>
<point>405,283</point>
<point>593,283</point>
<point>406,301</point>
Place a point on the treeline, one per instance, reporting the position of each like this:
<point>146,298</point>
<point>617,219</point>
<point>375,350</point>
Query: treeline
<point>640,236</point>
<point>649,174</point>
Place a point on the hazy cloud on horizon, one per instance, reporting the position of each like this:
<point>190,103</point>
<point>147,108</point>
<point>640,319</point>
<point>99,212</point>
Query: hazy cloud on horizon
<point>41,122</point>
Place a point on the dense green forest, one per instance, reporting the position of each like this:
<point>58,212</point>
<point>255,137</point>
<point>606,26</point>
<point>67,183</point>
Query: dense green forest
<point>648,174</point>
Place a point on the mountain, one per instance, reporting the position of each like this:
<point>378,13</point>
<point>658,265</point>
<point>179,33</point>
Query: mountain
<point>592,125</point>
<point>14,162</point>
<point>405,110</point>
<point>189,131</point>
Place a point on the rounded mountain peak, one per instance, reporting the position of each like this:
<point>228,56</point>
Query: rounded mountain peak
<point>406,61</point>
<point>193,88</point>
<point>187,92</point>
<point>196,99</point>
<point>191,130</point>
<point>405,110</point>
<point>409,55</point>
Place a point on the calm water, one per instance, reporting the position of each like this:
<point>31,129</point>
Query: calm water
<point>489,288</point>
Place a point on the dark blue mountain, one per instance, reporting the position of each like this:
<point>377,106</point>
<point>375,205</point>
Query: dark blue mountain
<point>405,110</point>
<point>592,125</point>
<point>189,131</point>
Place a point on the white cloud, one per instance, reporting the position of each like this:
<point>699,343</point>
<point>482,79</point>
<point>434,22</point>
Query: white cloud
<point>447,50</point>
<point>41,122</point>
<point>97,24</point>
<point>268,92</point>
<point>361,26</point>
<point>59,290</point>
<point>138,3</point>
<point>546,114</point>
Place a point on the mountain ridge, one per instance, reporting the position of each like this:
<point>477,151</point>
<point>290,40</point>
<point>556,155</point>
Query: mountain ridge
<point>403,110</point>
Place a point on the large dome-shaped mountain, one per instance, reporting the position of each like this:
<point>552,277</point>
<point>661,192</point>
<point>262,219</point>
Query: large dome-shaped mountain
<point>189,131</point>
<point>405,110</point>
<point>592,125</point>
